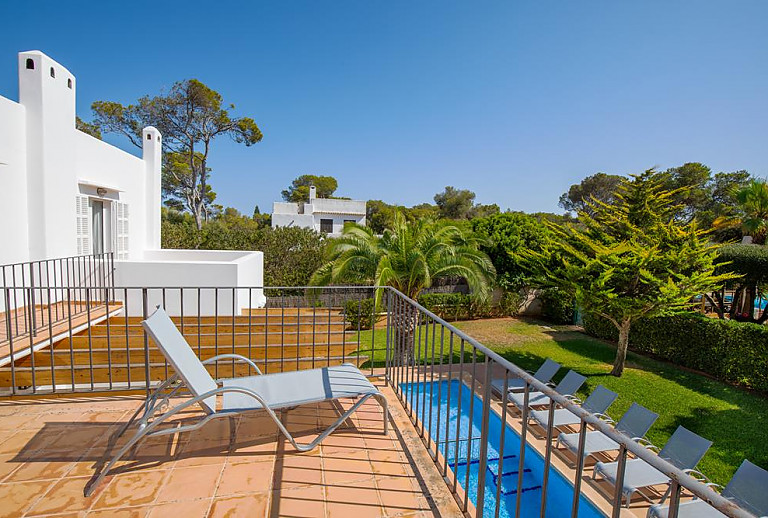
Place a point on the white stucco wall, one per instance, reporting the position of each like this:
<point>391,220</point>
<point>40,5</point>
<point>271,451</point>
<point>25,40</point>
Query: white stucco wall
<point>175,269</point>
<point>13,178</point>
<point>45,163</point>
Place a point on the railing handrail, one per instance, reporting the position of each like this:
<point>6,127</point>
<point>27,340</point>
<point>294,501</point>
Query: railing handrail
<point>699,489</point>
<point>50,259</point>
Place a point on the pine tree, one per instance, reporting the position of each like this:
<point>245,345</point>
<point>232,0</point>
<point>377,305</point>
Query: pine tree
<point>629,259</point>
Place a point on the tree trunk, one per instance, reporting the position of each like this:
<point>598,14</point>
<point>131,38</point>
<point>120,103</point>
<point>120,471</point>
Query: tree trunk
<point>621,350</point>
<point>405,323</point>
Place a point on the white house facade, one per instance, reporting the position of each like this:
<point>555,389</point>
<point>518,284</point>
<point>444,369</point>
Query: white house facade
<point>326,215</point>
<point>66,193</point>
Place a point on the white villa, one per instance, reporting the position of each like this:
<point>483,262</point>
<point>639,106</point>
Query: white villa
<point>326,215</point>
<point>66,193</point>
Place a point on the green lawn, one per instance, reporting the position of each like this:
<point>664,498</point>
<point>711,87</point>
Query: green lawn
<point>735,419</point>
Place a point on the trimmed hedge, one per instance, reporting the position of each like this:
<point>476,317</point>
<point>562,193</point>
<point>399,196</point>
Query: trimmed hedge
<point>557,306</point>
<point>360,313</point>
<point>459,306</point>
<point>735,352</point>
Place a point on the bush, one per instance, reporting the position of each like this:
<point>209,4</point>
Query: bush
<point>459,306</point>
<point>557,306</point>
<point>735,352</point>
<point>360,314</point>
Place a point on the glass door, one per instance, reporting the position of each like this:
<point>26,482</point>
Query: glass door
<point>97,226</point>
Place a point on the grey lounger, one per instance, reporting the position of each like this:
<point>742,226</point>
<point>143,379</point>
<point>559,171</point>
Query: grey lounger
<point>268,392</point>
<point>748,489</point>
<point>567,387</point>
<point>597,403</point>
<point>683,450</point>
<point>544,373</point>
<point>635,423</point>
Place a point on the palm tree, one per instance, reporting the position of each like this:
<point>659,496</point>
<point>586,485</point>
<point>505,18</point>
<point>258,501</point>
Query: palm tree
<point>752,214</point>
<point>408,257</point>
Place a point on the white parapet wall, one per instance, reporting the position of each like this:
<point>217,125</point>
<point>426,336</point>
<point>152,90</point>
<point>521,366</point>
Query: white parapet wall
<point>183,281</point>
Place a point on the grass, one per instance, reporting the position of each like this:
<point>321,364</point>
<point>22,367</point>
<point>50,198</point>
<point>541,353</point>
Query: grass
<point>735,420</point>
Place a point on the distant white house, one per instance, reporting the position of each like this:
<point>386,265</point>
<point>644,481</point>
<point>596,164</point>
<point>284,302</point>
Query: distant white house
<point>326,215</point>
<point>66,193</point>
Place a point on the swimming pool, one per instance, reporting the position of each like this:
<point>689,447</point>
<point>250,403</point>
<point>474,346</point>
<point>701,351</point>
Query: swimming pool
<point>559,491</point>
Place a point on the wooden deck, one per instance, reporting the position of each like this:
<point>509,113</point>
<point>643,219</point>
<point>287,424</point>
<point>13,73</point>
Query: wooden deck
<point>52,323</point>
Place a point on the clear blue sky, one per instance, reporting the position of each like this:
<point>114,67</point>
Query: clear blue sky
<point>513,100</point>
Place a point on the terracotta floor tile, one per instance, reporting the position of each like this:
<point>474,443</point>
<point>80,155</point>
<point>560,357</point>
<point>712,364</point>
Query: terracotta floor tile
<point>7,465</point>
<point>185,509</point>
<point>65,495</point>
<point>245,478</point>
<point>17,497</point>
<point>190,483</point>
<point>339,471</point>
<point>132,489</point>
<point>398,495</point>
<point>133,512</point>
<point>40,471</point>
<point>358,500</point>
<point>254,505</point>
<point>303,502</point>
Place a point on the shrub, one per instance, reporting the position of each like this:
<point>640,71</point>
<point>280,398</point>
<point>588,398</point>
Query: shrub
<point>360,314</point>
<point>557,306</point>
<point>735,352</point>
<point>459,306</point>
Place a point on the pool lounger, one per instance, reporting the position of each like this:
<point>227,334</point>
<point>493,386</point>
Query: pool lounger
<point>268,392</point>
<point>635,423</point>
<point>567,387</point>
<point>747,489</point>
<point>597,403</point>
<point>683,450</point>
<point>544,373</point>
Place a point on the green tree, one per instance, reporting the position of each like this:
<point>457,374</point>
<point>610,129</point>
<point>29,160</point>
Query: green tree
<point>600,186</point>
<point>751,213</point>
<point>722,205</point>
<point>408,257</point>
<point>190,117</point>
<point>629,259</point>
<point>455,203</point>
<point>505,235</point>
<point>298,191</point>
<point>178,186</point>
<point>90,128</point>
<point>691,183</point>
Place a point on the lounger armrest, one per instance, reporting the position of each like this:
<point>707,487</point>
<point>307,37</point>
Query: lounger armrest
<point>550,384</point>
<point>604,417</point>
<point>232,357</point>
<point>573,399</point>
<point>642,441</point>
<point>701,477</point>
<point>714,486</point>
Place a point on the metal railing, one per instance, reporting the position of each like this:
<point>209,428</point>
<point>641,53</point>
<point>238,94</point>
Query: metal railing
<point>106,348</point>
<point>34,293</point>
<point>420,355</point>
<point>424,352</point>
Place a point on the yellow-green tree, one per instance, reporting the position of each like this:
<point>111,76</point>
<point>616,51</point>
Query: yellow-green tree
<point>629,259</point>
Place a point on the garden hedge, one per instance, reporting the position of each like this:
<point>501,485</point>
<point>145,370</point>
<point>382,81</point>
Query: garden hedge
<point>557,306</point>
<point>735,352</point>
<point>359,313</point>
<point>459,306</point>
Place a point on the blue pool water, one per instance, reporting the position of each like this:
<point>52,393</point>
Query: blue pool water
<point>559,491</point>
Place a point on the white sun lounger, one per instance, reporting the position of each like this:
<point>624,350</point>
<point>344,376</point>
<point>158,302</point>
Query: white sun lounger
<point>268,392</point>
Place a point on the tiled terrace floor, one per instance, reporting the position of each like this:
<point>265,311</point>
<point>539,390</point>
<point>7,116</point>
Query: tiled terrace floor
<point>50,449</point>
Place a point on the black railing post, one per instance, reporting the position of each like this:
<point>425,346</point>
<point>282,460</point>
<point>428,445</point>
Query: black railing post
<point>145,313</point>
<point>484,438</point>
<point>579,469</point>
<point>618,495</point>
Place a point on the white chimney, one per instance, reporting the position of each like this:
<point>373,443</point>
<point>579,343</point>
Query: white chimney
<point>312,193</point>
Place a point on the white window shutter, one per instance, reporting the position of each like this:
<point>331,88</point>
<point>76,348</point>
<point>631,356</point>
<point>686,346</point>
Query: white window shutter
<point>83,217</point>
<point>121,230</point>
